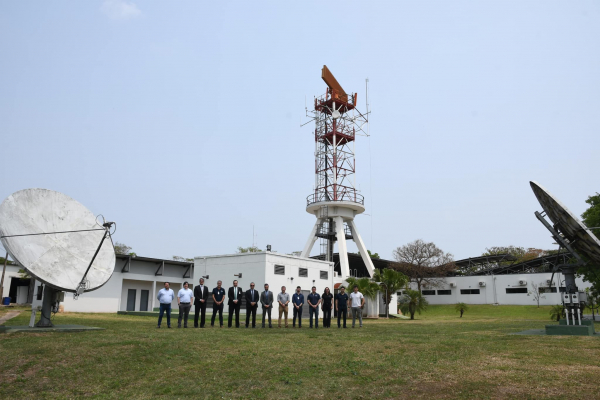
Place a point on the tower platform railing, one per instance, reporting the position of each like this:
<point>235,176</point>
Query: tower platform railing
<point>341,196</point>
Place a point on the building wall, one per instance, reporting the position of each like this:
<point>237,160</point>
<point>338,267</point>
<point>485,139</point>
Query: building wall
<point>259,268</point>
<point>494,291</point>
<point>12,271</point>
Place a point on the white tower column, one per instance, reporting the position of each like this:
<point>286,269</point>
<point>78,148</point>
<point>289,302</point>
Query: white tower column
<point>311,240</point>
<point>342,248</point>
<point>361,248</point>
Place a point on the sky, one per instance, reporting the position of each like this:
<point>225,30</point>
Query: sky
<point>181,120</point>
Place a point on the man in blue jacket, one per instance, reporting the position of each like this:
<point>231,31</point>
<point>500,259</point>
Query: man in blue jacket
<point>298,302</point>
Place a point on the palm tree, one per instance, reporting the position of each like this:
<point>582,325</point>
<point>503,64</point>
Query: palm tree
<point>413,301</point>
<point>366,286</point>
<point>461,308</point>
<point>391,281</point>
<point>556,312</point>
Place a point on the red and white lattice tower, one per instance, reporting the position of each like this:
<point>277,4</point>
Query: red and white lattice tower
<point>335,200</point>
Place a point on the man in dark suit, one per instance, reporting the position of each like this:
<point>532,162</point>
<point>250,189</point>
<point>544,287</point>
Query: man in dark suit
<point>235,302</point>
<point>200,299</point>
<point>251,305</point>
<point>266,299</point>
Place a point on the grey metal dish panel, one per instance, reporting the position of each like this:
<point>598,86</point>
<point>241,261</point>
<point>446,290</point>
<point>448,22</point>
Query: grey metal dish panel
<point>60,260</point>
<point>568,224</point>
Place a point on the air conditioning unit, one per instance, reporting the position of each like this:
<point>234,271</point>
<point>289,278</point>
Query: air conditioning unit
<point>452,284</point>
<point>482,284</point>
<point>522,283</point>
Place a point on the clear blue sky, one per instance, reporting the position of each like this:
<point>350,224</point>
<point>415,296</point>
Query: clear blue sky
<point>180,120</point>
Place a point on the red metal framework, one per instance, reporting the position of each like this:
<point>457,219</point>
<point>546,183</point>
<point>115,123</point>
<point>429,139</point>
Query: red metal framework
<point>337,122</point>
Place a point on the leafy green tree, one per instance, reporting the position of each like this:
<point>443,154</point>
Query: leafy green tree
<point>251,249</point>
<point>591,216</point>
<point>412,302</point>
<point>461,308</point>
<point>391,281</point>
<point>590,272</point>
<point>123,249</point>
<point>557,312</point>
<point>179,258</point>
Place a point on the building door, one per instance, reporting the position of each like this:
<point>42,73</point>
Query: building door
<point>306,306</point>
<point>144,300</point>
<point>131,299</point>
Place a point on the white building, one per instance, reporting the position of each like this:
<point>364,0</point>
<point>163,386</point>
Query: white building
<point>515,289</point>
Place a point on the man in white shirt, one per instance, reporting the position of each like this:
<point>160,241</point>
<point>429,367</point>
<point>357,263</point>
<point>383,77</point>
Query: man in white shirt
<point>185,297</point>
<point>165,298</point>
<point>358,302</point>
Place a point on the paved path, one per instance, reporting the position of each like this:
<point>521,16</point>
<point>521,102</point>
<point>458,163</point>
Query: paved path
<point>9,315</point>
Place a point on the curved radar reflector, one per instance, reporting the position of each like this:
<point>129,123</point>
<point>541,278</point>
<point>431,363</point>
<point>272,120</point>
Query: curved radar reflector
<point>579,236</point>
<point>28,221</point>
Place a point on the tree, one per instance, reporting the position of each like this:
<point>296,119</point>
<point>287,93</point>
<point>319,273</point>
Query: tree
<point>591,218</point>
<point>593,302</point>
<point>557,312</point>
<point>461,308</point>
<point>366,286</point>
<point>391,281</point>
<point>179,258</point>
<point>374,256</point>
<point>423,262</point>
<point>537,291</point>
<point>521,253</point>
<point>123,249</point>
<point>412,302</point>
<point>251,249</point>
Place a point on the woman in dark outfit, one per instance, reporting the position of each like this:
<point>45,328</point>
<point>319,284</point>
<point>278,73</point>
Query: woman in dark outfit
<point>327,306</point>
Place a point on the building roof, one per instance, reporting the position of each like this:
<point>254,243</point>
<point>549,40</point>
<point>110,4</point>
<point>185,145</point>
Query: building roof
<point>154,260</point>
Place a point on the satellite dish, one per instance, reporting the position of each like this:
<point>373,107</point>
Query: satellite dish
<point>575,231</point>
<point>57,240</point>
<point>335,114</point>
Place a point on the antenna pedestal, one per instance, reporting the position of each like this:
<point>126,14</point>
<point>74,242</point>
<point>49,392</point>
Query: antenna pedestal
<point>49,305</point>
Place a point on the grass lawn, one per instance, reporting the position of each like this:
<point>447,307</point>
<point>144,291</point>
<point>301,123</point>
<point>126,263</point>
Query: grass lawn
<point>437,355</point>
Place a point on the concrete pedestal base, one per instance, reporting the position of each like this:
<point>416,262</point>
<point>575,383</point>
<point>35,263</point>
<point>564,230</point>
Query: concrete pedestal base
<point>585,329</point>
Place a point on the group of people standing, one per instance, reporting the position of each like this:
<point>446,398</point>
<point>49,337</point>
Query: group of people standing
<point>315,301</point>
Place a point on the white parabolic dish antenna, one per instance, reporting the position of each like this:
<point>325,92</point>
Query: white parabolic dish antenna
<point>55,239</point>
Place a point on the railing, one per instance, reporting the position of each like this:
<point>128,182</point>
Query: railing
<point>341,196</point>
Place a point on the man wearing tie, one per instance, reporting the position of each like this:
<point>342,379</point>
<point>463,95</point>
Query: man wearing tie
<point>266,299</point>
<point>251,305</point>
<point>235,302</point>
<point>200,299</point>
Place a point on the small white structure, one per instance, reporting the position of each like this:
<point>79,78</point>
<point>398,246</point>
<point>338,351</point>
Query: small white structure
<point>265,267</point>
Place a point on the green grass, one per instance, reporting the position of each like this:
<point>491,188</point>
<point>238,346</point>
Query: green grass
<point>438,355</point>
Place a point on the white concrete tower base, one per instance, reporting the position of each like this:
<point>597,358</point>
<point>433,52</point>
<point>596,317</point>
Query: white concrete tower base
<point>340,212</point>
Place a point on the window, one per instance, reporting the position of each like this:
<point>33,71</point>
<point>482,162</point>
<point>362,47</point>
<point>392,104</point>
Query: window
<point>428,292</point>
<point>280,270</point>
<point>444,292</point>
<point>398,293</point>
<point>561,289</point>
<point>324,275</point>
<point>514,290</point>
<point>303,272</point>
<point>548,290</point>
<point>469,291</point>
